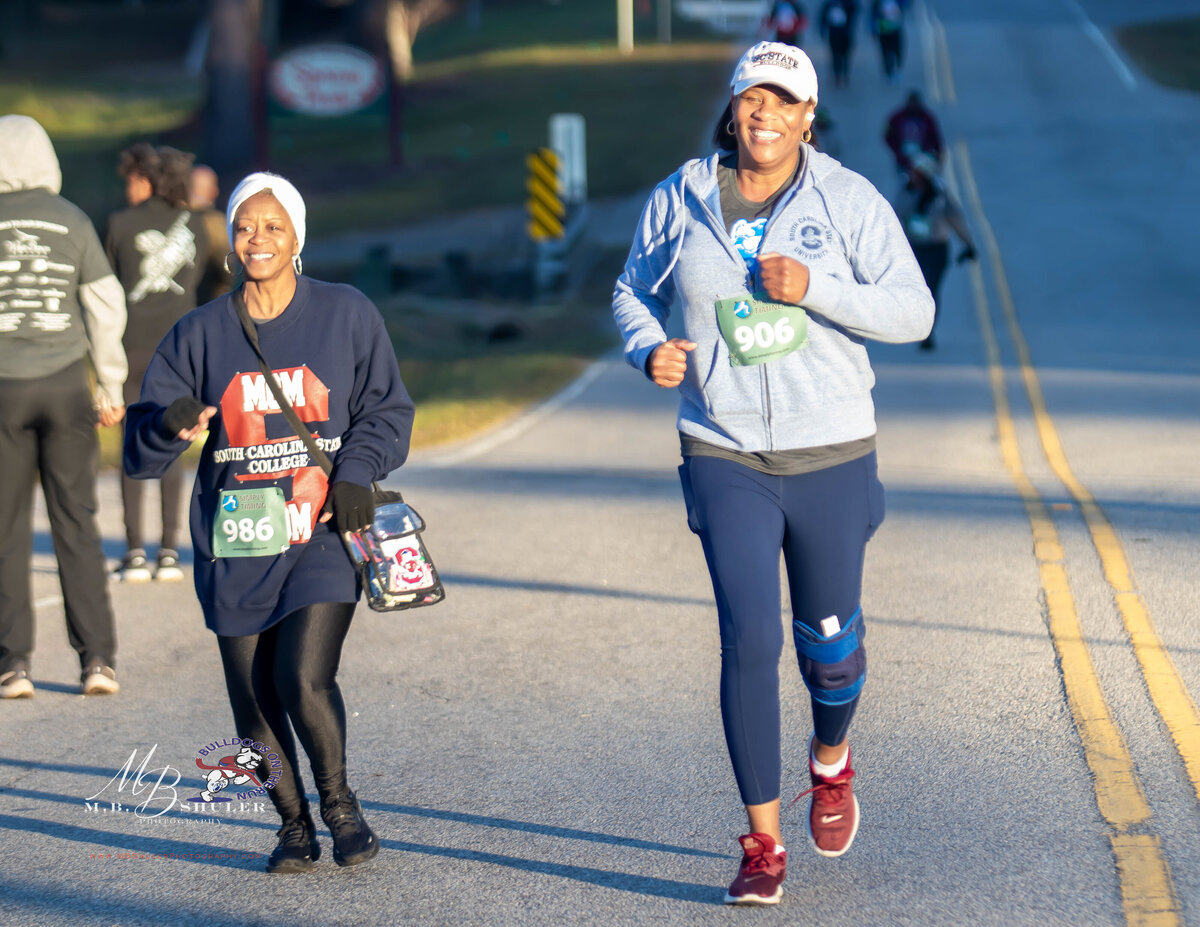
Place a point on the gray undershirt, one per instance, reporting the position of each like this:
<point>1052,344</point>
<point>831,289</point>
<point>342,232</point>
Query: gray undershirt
<point>734,205</point>
<point>782,463</point>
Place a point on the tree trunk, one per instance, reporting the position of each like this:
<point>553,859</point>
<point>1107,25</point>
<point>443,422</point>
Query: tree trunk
<point>401,25</point>
<point>234,114</point>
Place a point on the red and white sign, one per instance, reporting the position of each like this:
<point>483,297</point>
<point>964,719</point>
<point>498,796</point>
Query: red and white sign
<point>326,80</point>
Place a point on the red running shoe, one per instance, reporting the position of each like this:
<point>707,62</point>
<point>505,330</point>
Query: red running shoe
<point>760,878</point>
<point>833,815</point>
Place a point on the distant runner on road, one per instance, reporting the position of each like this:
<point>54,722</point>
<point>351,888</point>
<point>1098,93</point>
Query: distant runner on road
<point>785,264</point>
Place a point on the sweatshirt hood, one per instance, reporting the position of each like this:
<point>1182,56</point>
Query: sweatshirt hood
<point>27,158</point>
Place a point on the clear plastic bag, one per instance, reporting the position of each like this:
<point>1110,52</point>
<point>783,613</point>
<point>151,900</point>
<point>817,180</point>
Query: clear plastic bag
<point>396,568</point>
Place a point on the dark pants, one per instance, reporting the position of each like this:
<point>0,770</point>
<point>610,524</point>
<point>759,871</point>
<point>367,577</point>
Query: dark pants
<point>891,48</point>
<point>839,53</point>
<point>288,674</point>
<point>821,521</point>
<point>933,257</point>
<point>133,491</point>
<point>48,429</point>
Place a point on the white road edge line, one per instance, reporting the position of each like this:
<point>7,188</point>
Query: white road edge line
<point>928,46</point>
<point>522,423</point>
<point>1093,32</point>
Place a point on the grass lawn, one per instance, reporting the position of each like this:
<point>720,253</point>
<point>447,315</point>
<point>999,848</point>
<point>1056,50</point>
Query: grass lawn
<point>1169,51</point>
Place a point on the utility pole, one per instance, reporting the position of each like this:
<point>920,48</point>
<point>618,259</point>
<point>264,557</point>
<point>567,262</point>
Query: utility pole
<point>625,26</point>
<point>664,21</point>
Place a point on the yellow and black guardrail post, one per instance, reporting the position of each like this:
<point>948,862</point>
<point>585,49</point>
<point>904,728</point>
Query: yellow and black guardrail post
<point>556,202</point>
<point>547,212</point>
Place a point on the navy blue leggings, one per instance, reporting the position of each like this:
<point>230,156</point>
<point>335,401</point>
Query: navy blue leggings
<point>821,521</point>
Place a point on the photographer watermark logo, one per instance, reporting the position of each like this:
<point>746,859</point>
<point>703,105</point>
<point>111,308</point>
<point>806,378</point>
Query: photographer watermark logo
<point>237,769</point>
<point>243,769</point>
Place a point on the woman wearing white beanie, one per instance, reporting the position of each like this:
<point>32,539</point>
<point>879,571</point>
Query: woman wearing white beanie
<point>273,578</point>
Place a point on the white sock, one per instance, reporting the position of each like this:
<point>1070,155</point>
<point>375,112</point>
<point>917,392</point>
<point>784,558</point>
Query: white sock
<point>827,769</point>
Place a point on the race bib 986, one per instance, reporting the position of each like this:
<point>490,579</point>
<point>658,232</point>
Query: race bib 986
<point>250,523</point>
<point>757,331</point>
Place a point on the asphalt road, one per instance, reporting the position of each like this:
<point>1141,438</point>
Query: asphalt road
<point>545,747</point>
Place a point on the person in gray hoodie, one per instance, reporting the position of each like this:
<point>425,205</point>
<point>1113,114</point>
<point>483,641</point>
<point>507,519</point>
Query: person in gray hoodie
<point>59,304</point>
<point>784,264</point>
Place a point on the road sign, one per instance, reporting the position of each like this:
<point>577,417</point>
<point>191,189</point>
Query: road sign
<point>545,203</point>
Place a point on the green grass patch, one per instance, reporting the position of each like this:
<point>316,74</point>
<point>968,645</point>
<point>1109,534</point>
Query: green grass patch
<point>472,121</point>
<point>91,121</point>
<point>520,24</point>
<point>1168,51</point>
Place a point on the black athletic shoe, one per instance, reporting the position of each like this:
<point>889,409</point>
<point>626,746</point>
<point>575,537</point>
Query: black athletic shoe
<point>353,841</point>
<point>297,850</point>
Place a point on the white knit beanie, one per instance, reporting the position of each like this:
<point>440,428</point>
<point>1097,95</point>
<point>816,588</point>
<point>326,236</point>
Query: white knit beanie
<point>289,198</point>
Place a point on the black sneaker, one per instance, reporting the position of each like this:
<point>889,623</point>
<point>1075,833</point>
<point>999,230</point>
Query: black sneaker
<point>297,849</point>
<point>353,841</point>
<point>167,569</point>
<point>135,568</point>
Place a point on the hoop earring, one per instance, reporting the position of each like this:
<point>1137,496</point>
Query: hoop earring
<point>228,269</point>
<point>729,128</point>
<point>807,136</point>
<point>297,265</point>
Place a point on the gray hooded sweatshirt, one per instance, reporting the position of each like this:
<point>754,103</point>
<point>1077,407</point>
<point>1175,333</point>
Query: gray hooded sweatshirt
<point>59,299</point>
<point>864,284</point>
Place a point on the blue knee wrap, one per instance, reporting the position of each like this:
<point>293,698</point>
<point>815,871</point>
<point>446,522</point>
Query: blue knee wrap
<point>834,668</point>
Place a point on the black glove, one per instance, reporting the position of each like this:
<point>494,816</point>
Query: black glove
<point>182,414</point>
<point>352,505</point>
<point>967,254</point>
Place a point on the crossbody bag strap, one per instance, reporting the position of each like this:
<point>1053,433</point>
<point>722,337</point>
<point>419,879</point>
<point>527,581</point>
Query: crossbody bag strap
<point>305,435</point>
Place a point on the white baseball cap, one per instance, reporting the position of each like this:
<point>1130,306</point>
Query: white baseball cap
<point>779,64</point>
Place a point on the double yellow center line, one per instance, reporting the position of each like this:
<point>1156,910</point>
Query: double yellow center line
<point>1147,891</point>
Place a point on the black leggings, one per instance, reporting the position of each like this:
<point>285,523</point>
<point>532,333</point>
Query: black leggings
<point>287,673</point>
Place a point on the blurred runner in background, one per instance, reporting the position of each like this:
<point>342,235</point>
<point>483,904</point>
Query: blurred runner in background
<point>156,246</point>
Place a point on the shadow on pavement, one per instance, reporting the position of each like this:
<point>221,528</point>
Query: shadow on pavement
<point>46,899</point>
<point>622,881</point>
<point>113,844</point>
<point>494,582</point>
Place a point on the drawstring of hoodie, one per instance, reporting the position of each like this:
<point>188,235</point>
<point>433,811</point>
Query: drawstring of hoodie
<point>676,241</point>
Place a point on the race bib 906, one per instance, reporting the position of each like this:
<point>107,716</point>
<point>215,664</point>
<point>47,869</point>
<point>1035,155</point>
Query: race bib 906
<point>757,331</point>
<point>250,523</point>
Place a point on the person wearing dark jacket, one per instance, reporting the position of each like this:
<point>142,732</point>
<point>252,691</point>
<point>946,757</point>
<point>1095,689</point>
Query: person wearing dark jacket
<point>156,248</point>
<point>202,198</point>
<point>887,25</point>
<point>837,27</point>
<point>912,128</point>
<point>59,305</point>
<point>274,580</point>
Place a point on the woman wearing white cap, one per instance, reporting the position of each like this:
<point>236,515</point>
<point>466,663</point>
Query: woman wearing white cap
<point>273,578</point>
<point>785,264</point>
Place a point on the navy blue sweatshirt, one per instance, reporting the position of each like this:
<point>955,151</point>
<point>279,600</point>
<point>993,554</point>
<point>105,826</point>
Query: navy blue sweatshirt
<point>331,353</point>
